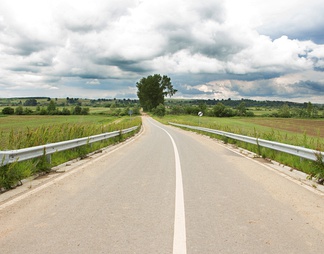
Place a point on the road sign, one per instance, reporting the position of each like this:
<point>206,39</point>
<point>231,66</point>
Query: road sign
<point>200,113</point>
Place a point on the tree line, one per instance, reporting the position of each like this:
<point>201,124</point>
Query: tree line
<point>51,109</point>
<point>220,110</point>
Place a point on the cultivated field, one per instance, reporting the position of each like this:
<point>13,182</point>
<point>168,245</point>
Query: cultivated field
<point>312,127</point>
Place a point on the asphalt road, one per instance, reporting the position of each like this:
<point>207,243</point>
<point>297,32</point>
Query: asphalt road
<point>165,191</point>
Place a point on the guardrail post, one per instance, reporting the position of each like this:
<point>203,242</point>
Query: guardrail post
<point>120,135</point>
<point>258,147</point>
<point>49,158</point>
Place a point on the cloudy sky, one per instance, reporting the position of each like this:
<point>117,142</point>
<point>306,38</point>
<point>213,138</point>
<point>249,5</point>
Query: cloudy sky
<point>255,49</point>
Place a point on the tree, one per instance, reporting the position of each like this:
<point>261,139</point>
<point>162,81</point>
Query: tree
<point>284,111</point>
<point>85,111</point>
<point>241,109</point>
<point>19,110</point>
<point>51,107</point>
<point>202,107</point>
<point>30,102</point>
<point>66,111</point>
<point>309,109</point>
<point>218,109</point>
<point>77,110</point>
<point>153,89</point>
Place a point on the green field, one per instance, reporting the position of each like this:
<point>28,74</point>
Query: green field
<point>18,132</point>
<point>30,130</point>
<point>20,128</point>
<point>300,132</point>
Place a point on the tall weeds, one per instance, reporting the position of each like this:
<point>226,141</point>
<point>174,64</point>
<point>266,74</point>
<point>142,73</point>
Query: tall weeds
<point>314,169</point>
<point>12,174</point>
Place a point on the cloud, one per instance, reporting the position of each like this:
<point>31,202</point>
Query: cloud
<point>295,87</point>
<point>93,82</point>
<point>297,19</point>
<point>85,47</point>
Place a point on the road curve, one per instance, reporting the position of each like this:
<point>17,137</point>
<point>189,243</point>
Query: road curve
<point>166,191</point>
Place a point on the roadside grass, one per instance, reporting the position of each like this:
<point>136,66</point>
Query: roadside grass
<point>304,133</point>
<point>27,131</point>
<point>15,130</point>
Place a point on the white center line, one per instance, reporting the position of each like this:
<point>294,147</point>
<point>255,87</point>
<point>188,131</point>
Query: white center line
<point>179,237</point>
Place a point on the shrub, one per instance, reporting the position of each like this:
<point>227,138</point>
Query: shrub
<point>159,110</point>
<point>12,174</point>
<point>8,111</point>
<point>317,169</point>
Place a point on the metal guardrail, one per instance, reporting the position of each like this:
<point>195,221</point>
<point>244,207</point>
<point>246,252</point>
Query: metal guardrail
<point>11,156</point>
<point>290,149</point>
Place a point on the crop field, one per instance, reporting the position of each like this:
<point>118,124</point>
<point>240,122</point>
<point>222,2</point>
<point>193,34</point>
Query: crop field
<point>313,127</point>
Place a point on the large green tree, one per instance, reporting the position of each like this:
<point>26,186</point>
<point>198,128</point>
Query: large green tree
<point>153,89</point>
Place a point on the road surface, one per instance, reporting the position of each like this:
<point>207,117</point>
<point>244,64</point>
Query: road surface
<point>165,191</point>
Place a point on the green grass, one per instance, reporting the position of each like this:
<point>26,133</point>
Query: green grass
<point>26,131</point>
<point>50,128</point>
<point>256,127</point>
<point>284,131</point>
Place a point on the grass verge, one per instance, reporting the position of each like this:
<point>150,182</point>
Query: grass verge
<point>12,174</point>
<point>285,131</point>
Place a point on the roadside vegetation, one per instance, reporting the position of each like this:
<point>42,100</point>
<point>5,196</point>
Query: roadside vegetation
<point>26,122</point>
<point>18,132</point>
<point>308,133</point>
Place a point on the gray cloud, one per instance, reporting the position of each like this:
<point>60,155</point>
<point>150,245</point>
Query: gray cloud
<point>301,20</point>
<point>192,91</point>
<point>123,64</point>
<point>69,45</point>
<point>310,87</point>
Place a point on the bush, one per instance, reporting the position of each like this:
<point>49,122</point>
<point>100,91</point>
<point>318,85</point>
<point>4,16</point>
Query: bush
<point>177,110</point>
<point>159,110</point>
<point>8,111</point>
<point>19,110</point>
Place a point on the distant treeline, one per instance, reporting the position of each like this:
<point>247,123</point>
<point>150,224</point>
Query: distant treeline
<point>32,107</point>
<point>217,108</point>
<point>51,109</point>
<point>220,110</point>
<point>61,102</point>
<point>34,101</point>
<point>236,103</point>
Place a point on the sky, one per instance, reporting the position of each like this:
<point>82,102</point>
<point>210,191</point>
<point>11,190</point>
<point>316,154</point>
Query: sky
<point>211,49</point>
